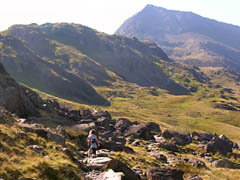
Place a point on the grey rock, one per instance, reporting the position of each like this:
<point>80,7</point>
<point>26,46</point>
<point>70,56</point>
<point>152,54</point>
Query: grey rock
<point>169,146</point>
<point>225,163</point>
<point>196,177</point>
<point>179,138</point>
<point>164,173</point>
<point>219,146</point>
<point>140,132</point>
<point>119,166</point>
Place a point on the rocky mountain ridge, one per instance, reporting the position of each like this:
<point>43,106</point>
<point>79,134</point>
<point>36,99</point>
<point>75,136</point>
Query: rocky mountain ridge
<point>186,36</point>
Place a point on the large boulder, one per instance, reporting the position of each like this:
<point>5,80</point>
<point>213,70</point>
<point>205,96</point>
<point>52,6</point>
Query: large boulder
<point>169,146</point>
<point>100,114</point>
<point>219,145</point>
<point>122,125</point>
<point>13,97</point>
<point>86,127</point>
<point>164,173</point>
<point>110,141</point>
<point>104,124</point>
<point>179,138</point>
<point>203,137</point>
<point>118,166</point>
<point>139,131</point>
<point>35,128</point>
<point>225,163</point>
<point>153,127</point>
<point>97,163</point>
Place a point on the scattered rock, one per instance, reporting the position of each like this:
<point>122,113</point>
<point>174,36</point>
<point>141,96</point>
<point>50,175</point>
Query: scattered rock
<point>164,173</point>
<point>195,162</point>
<point>37,149</point>
<point>159,156</point>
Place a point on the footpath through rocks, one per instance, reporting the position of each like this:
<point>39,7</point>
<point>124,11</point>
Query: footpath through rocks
<point>128,150</point>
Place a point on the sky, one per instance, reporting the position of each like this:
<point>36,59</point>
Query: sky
<point>107,15</point>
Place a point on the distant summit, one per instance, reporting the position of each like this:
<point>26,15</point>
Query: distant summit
<point>186,36</point>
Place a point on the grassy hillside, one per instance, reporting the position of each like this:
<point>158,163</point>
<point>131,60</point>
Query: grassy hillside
<point>97,58</point>
<point>18,160</point>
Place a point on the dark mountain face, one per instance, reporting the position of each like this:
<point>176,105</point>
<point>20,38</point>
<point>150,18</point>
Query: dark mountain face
<point>187,36</point>
<point>67,59</point>
<point>13,97</point>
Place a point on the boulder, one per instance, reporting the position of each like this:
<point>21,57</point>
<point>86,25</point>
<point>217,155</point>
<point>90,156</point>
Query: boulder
<point>100,114</point>
<point>105,123</point>
<point>110,141</point>
<point>36,148</point>
<point>35,128</point>
<point>203,136</point>
<point>118,166</point>
<point>140,132</point>
<point>153,127</point>
<point>164,173</point>
<point>225,163</point>
<point>219,146</point>
<point>84,127</point>
<point>169,146</point>
<point>97,163</point>
<point>122,125</point>
<point>195,177</point>
<point>111,175</point>
<point>180,138</point>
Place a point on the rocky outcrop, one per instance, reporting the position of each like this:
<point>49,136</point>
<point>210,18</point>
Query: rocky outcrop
<point>179,138</point>
<point>164,173</point>
<point>219,145</point>
<point>225,163</point>
<point>140,131</point>
<point>203,136</point>
<point>13,98</point>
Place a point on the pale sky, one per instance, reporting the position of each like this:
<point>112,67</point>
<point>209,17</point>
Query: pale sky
<point>107,15</point>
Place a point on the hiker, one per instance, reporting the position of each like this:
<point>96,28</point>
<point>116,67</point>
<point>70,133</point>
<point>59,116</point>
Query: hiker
<point>93,143</point>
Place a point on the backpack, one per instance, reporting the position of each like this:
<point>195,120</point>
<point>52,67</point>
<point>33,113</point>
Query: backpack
<point>93,139</point>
